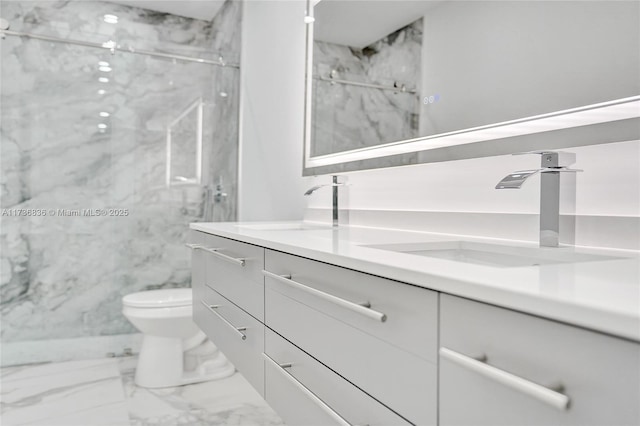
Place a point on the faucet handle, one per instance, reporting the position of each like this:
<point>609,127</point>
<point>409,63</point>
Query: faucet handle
<point>560,169</point>
<point>553,158</point>
<point>334,182</point>
<point>337,180</point>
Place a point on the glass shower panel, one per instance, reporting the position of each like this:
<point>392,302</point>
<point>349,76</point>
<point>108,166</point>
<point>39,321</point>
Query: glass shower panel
<point>87,216</point>
<point>148,94</point>
<point>220,171</point>
<point>57,253</point>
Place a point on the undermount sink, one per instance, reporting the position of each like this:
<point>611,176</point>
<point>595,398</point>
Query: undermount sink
<point>492,254</point>
<point>283,226</point>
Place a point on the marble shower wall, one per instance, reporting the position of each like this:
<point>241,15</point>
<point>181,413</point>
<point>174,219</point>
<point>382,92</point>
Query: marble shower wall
<point>64,271</point>
<point>349,117</point>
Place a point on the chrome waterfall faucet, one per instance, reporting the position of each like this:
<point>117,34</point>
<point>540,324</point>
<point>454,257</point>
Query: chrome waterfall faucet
<point>553,163</point>
<point>334,184</point>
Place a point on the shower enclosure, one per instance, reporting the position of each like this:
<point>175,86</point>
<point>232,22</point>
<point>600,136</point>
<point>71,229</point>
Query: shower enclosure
<point>116,133</point>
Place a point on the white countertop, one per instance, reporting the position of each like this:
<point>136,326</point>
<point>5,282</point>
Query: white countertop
<point>602,295</point>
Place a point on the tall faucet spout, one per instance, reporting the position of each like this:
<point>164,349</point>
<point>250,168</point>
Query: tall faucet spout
<point>550,170</point>
<point>334,199</point>
<point>550,209</point>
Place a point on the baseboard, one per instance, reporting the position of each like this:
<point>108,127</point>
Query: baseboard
<point>59,350</point>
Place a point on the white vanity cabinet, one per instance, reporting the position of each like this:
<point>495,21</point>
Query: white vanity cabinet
<point>234,269</point>
<point>501,367</point>
<point>238,335</point>
<point>340,347</point>
<point>228,300</point>
<point>378,334</point>
<point>305,392</point>
<point>329,345</point>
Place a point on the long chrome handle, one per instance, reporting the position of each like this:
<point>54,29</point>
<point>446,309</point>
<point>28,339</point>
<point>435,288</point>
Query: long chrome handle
<point>238,330</point>
<point>320,403</point>
<point>214,251</point>
<point>362,309</point>
<point>542,393</point>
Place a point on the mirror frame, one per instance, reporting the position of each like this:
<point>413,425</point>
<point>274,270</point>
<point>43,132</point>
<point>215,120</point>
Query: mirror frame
<point>606,122</point>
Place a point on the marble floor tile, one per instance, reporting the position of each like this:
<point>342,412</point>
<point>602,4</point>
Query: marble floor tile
<point>227,402</point>
<point>70,393</point>
<point>42,375</point>
<point>103,393</point>
<point>114,414</point>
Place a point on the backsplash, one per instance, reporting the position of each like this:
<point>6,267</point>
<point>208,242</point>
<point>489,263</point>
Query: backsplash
<point>459,197</point>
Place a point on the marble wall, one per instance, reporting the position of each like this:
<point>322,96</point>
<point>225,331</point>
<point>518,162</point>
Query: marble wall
<point>349,117</point>
<point>75,137</point>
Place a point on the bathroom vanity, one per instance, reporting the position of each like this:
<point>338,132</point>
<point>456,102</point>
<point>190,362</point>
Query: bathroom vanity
<point>364,326</point>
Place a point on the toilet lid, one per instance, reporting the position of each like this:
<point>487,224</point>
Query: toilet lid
<point>159,298</point>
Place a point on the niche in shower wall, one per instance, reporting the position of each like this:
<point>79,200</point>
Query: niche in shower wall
<point>83,143</point>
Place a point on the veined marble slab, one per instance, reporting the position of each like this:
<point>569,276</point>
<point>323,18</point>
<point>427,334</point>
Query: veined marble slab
<point>228,402</point>
<point>102,392</point>
<point>64,394</point>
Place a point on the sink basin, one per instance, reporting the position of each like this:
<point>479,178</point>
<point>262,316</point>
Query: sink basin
<point>283,226</point>
<point>495,255</point>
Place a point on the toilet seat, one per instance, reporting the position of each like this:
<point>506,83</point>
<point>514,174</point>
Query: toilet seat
<point>166,298</point>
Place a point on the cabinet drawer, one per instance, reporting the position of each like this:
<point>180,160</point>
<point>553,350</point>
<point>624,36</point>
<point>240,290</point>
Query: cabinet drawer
<point>234,269</point>
<point>307,393</point>
<point>405,307</point>
<point>237,334</point>
<point>596,376</point>
<point>381,358</point>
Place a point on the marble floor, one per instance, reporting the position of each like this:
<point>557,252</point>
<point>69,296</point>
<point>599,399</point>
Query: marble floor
<point>101,392</point>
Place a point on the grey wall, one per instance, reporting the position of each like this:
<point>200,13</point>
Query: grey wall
<point>272,105</point>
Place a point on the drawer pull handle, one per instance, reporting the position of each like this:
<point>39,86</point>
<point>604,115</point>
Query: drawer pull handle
<point>312,396</point>
<point>215,251</point>
<point>542,393</point>
<point>238,330</point>
<point>362,309</point>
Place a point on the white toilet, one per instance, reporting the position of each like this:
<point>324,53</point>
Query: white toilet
<point>174,350</point>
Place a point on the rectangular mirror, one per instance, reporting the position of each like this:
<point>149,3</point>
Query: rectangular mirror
<point>403,82</point>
